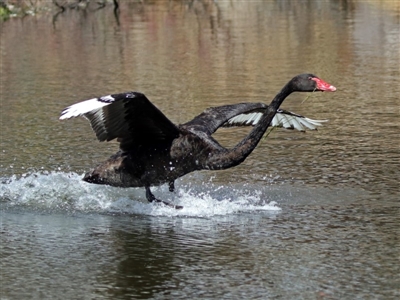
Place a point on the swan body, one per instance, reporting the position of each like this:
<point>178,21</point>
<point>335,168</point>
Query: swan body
<point>154,151</point>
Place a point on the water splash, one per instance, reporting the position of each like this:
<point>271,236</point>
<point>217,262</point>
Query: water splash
<point>59,191</point>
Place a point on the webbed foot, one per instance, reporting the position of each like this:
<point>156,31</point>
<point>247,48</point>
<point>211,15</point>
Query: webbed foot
<point>151,198</point>
<point>171,186</point>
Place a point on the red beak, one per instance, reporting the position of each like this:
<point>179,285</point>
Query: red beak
<point>323,86</point>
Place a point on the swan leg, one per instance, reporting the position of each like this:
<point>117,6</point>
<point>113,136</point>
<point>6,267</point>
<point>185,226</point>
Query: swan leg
<point>171,186</point>
<point>150,197</point>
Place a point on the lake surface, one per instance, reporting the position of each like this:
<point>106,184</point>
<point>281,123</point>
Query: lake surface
<point>307,216</point>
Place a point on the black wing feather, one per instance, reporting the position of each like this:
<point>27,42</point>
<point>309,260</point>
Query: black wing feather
<point>214,117</point>
<point>130,117</point>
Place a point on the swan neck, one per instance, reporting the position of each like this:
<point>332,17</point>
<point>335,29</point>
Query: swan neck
<point>281,96</point>
<point>240,152</point>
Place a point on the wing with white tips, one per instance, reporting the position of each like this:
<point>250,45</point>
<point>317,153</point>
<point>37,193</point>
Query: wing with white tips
<point>283,118</point>
<point>130,117</point>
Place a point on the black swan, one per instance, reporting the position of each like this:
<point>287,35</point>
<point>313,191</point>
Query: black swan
<point>154,151</point>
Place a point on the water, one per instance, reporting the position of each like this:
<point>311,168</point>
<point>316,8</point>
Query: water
<point>307,216</point>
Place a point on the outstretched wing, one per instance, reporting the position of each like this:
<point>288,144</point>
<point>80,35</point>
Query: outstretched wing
<point>247,114</point>
<point>214,117</point>
<point>130,117</point>
<point>283,118</point>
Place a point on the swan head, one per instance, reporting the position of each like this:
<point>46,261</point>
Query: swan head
<point>310,83</point>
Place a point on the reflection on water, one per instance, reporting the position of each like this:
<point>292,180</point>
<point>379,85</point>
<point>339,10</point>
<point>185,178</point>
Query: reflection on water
<point>305,216</point>
<point>243,255</point>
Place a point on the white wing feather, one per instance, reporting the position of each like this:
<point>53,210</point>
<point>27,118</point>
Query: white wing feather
<point>92,105</point>
<point>281,119</point>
